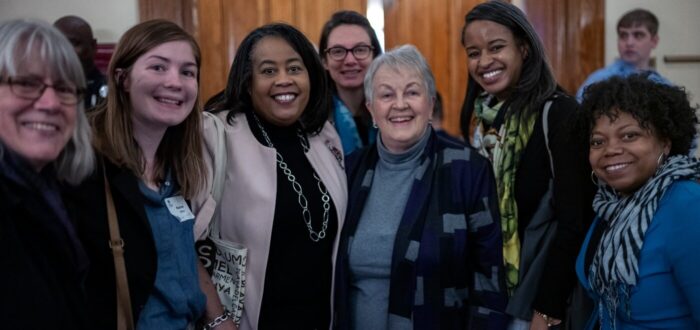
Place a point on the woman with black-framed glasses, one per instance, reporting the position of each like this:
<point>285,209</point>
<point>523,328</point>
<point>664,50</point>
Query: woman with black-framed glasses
<point>348,45</point>
<point>359,52</point>
<point>32,87</point>
<point>44,142</point>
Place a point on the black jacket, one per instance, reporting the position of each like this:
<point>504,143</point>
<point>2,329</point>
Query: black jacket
<point>41,286</point>
<point>572,198</point>
<point>552,279</point>
<point>139,247</point>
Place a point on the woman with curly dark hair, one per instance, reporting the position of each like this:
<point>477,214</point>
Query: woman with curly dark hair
<point>639,259</point>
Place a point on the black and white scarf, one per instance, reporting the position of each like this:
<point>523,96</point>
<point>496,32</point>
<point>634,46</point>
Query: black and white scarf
<point>615,267</point>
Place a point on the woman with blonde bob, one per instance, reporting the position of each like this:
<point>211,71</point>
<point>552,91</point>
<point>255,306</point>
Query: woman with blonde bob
<point>148,137</point>
<point>44,141</point>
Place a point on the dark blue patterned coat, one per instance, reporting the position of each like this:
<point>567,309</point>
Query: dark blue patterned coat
<point>447,263</point>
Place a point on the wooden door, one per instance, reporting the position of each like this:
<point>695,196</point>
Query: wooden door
<point>573,33</point>
<point>222,25</point>
<point>571,30</point>
<point>435,28</point>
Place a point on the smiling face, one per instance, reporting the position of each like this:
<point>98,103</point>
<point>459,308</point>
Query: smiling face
<point>348,73</point>
<point>494,58</point>
<point>400,106</point>
<point>623,154</point>
<point>280,82</point>
<point>635,45</point>
<point>37,130</point>
<point>162,86</point>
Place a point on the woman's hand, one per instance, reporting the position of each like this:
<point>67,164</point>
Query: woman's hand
<point>539,322</point>
<point>213,307</point>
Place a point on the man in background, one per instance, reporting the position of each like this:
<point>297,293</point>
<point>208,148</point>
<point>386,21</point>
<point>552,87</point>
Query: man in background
<point>637,36</point>
<point>79,33</point>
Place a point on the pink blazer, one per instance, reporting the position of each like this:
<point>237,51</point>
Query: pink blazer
<point>248,198</point>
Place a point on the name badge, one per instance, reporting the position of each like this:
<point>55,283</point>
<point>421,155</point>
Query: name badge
<point>178,208</point>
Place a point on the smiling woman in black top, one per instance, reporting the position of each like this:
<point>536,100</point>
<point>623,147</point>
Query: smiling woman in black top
<point>541,172</point>
<point>284,193</point>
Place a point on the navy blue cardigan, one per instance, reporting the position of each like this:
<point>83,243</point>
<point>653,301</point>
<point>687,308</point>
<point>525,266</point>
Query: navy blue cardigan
<point>447,262</point>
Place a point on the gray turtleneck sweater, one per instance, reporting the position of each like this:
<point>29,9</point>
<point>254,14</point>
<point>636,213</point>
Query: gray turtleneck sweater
<point>373,243</point>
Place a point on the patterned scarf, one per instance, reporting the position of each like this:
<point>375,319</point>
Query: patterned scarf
<point>344,123</point>
<point>505,156</point>
<point>615,269</point>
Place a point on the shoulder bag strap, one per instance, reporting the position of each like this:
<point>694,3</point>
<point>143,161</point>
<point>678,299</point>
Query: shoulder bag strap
<point>545,128</point>
<point>125,320</point>
<point>219,157</point>
<point>220,160</point>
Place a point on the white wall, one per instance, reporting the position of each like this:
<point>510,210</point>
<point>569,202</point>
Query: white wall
<point>109,18</point>
<point>678,35</point>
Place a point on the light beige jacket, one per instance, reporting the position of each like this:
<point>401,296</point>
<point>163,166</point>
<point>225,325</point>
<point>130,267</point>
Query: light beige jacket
<point>249,193</point>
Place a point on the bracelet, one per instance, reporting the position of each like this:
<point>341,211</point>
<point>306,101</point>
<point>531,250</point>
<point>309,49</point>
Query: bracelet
<point>217,321</point>
<point>550,320</point>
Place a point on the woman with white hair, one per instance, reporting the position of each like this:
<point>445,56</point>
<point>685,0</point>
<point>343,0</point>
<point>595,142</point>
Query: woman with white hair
<point>421,245</point>
<point>44,140</point>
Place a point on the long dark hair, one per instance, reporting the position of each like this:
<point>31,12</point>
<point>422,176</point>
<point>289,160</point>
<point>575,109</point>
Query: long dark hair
<point>536,83</point>
<point>237,93</point>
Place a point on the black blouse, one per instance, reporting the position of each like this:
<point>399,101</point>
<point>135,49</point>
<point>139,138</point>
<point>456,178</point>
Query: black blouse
<point>298,277</point>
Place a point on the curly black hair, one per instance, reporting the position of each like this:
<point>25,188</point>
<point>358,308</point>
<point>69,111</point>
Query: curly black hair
<point>663,108</point>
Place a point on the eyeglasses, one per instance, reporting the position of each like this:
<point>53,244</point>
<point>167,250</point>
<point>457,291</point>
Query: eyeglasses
<point>360,52</point>
<point>31,88</point>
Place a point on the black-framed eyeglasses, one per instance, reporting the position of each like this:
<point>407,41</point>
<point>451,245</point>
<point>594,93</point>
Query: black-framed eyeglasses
<point>360,52</point>
<point>31,88</point>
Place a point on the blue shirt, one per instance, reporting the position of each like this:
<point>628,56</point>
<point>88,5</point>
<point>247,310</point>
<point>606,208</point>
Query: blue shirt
<point>176,299</point>
<point>667,294</point>
<point>344,123</point>
<point>617,68</point>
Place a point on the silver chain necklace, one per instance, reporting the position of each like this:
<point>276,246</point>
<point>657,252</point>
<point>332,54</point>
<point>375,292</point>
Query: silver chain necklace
<point>303,202</point>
